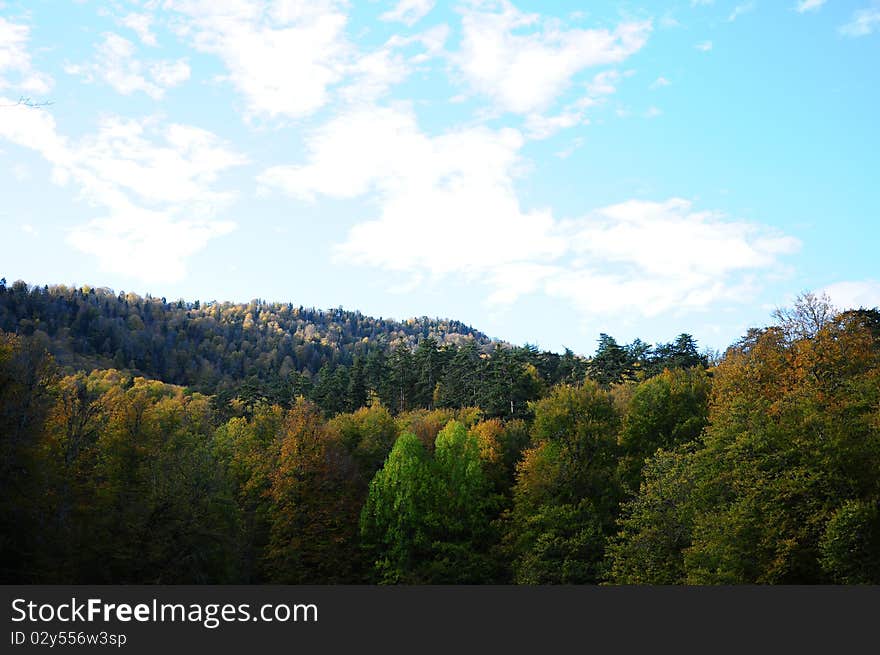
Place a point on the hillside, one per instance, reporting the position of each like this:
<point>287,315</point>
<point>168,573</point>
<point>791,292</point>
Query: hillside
<point>666,478</point>
<point>275,352</point>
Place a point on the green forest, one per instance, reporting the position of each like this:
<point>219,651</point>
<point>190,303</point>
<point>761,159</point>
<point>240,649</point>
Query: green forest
<point>156,442</point>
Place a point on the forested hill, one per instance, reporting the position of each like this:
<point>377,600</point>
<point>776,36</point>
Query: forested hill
<point>445,465</point>
<point>276,352</point>
<point>211,346</point>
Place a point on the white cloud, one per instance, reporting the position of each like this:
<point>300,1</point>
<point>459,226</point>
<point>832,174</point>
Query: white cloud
<point>855,294</point>
<point>653,257</point>
<point>864,22</point>
<point>115,64</point>
<point>409,12</point>
<point>146,244</point>
<point>808,5</point>
<point>155,186</point>
<point>569,150</point>
<point>371,75</point>
<point>374,74</point>
<point>539,126</point>
<point>446,205</point>
<point>169,73</point>
<point>542,126</point>
<point>432,40</point>
<point>15,59</point>
<point>670,239</point>
<point>704,46</point>
<point>523,63</point>
<point>604,83</point>
<point>739,10</point>
<point>140,24</point>
<point>660,82</point>
<point>281,56</point>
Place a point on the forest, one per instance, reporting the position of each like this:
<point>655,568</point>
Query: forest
<point>146,441</point>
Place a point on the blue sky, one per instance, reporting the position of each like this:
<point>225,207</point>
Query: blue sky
<point>544,171</point>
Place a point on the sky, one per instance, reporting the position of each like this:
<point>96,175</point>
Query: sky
<point>543,171</point>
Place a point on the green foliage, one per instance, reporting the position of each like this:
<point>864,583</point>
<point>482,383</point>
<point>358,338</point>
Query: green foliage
<point>850,545</point>
<point>368,434</point>
<point>655,527</point>
<point>560,544</point>
<point>665,411</point>
<point>398,521</point>
<point>314,505</point>
<point>426,519</point>
<point>566,493</point>
<point>27,373</point>
<point>782,487</point>
<point>335,448</point>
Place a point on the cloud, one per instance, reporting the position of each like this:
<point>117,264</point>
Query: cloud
<point>808,5</point>
<point>864,22</point>
<point>154,185</point>
<point>739,10</point>
<point>604,83</point>
<point>570,149</point>
<point>704,46</point>
<point>115,64</point>
<point>539,126</point>
<point>140,25</point>
<point>854,295</point>
<point>169,73</point>
<point>146,244</point>
<point>648,258</point>
<point>15,59</point>
<point>432,40</point>
<point>374,74</point>
<point>446,205</point>
<point>542,126</point>
<point>523,63</point>
<point>281,56</point>
<point>660,82</point>
<point>409,12</point>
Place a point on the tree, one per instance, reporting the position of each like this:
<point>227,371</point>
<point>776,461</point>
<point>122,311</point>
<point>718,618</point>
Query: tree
<point>402,379</point>
<point>612,363</point>
<point>427,519</point>
<point>806,317</point>
<point>681,353</point>
<point>461,385</point>
<point>566,494</point>
<point>665,411</point>
<point>314,505</point>
<point>428,361</point>
<point>655,527</point>
<point>850,545</point>
<point>511,384</point>
<point>398,521</point>
<point>357,385</point>
<point>781,487</point>
<point>27,373</point>
<point>368,435</point>
<point>465,507</point>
